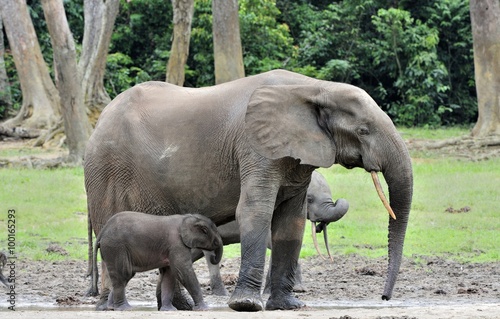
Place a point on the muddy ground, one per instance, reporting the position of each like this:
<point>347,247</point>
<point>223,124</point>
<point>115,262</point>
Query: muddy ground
<point>348,287</point>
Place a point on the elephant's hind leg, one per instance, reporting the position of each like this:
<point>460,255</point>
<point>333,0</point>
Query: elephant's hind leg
<point>167,284</point>
<point>102,303</point>
<point>117,299</point>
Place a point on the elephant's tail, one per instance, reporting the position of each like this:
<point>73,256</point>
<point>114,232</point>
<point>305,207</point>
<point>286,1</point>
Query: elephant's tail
<point>92,270</point>
<point>95,271</point>
<point>90,245</point>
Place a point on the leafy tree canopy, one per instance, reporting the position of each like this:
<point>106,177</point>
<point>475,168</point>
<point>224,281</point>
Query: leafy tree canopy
<point>414,57</point>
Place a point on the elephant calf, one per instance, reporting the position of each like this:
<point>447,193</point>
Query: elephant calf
<point>133,242</point>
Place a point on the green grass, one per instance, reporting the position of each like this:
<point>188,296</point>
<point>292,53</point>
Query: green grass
<point>438,185</point>
<point>24,151</point>
<point>434,134</point>
<point>51,208</point>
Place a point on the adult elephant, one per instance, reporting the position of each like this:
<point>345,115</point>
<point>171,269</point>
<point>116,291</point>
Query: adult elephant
<point>244,149</point>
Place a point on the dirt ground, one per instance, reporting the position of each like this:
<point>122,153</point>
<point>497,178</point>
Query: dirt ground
<point>349,287</point>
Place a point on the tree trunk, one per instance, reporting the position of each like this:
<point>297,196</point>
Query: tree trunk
<point>41,105</point>
<point>100,16</point>
<point>5,96</point>
<point>183,16</point>
<point>228,54</point>
<point>485,18</point>
<point>68,80</point>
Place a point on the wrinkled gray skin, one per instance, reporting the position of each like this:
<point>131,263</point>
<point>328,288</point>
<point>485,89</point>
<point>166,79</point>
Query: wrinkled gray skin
<point>3,261</point>
<point>245,149</point>
<point>320,209</point>
<point>133,242</point>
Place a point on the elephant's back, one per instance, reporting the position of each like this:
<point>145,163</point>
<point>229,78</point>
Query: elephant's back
<point>128,224</point>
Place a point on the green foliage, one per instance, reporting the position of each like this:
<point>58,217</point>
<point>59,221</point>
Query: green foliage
<point>15,88</point>
<point>414,58</point>
<point>406,53</point>
<point>452,19</point>
<point>266,43</point>
<point>122,74</point>
<point>200,63</point>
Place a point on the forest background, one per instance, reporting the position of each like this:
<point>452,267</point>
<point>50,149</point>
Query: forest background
<point>415,58</point>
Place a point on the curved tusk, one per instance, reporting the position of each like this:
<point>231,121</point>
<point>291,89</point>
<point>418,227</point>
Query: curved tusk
<point>380,193</point>
<point>325,235</point>
<point>315,239</point>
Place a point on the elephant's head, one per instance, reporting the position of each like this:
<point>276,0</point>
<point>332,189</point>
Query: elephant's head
<point>321,209</point>
<point>200,232</point>
<point>320,206</point>
<point>323,123</point>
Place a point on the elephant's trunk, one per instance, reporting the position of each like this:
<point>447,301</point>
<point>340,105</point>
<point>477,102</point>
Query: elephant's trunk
<point>328,211</point>
<point>217,256</point>
<point>336,211</point>
<point>399,177</point>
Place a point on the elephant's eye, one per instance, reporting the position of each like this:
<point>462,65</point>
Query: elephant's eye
<point>202,229</point>
<point>363,131</point>
<point>309,199</point>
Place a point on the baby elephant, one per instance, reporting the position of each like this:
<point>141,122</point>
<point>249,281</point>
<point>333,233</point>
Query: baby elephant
<point>133,242</point>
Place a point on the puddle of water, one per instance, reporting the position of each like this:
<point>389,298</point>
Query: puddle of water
<point>316,305</point>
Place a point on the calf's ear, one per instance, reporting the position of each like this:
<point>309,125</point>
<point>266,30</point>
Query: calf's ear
<point>289,120</point>
<point>194,231</point>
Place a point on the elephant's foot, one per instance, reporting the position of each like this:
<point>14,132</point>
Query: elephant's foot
<point>202,306</point>
<point>219,290</point>
<point>102,303</point>
<point>181,301</point>
<point>123,307</point>
<point>283,302</point>
<point>246,300</point>
<point>92,292</point>
<point>167,308</point>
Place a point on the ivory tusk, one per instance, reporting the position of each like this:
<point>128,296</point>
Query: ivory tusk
<point>325,235</point>
<point>315,239</point>
<point>380,193</point>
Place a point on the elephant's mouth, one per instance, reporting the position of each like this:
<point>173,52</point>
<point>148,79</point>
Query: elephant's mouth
<point>358,162</point>
<point>350,164</point>
<point>347,166</point>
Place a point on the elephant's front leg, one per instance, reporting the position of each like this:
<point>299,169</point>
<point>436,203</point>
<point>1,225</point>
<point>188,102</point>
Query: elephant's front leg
<point>254,215</point>
<point>187,276</point>
<point>287,233</point>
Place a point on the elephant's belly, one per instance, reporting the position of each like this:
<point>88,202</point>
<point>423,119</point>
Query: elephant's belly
<point>216,199</point>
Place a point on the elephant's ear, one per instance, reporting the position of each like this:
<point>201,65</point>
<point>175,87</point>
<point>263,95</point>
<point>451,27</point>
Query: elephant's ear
<point>194,230</point>
<point>187,230</point>
<point>289,120</point>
